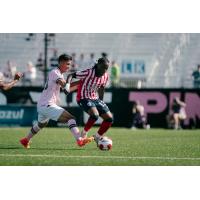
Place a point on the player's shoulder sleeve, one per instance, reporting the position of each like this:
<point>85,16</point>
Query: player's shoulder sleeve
<point>55,75</point>
<point>81,74</point>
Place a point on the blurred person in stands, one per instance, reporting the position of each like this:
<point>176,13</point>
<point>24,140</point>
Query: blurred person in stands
<point>74,63</point>
<point>91,61</point>
<point>104,55</point>
<point>74,68</point>
<point>81,62</point>
<point>196,77</point>
<point>30,73</point>
<point>138,117</point>
<point>54,59</point>
<point>8,85</point>
<point>40,62</point>
<point>178,114</point>
<point>10,71</point>
<point>48,104</point>
<point>115,74</point>
<point>91,86</point>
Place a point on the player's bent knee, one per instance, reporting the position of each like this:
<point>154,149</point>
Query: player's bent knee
<point>94,117</point>
<point>42,125</point>
<point>70,118</point>
<point>65,117</point>
<point>110,119</point>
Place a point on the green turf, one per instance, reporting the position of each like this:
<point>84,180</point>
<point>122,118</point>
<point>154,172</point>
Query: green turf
<point>56,146</point>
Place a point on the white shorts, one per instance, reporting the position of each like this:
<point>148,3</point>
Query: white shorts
<point>49,112</point>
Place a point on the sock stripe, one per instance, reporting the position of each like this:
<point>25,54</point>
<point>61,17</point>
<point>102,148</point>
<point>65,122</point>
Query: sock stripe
<point>72,126</point>
<point>33,131</point>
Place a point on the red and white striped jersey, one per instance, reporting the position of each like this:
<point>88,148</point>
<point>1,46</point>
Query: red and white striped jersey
<point>89,84</point>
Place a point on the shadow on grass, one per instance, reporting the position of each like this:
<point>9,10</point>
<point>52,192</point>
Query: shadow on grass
<point>45,149</point>
<point>10,147</point>
<point>56,149</point>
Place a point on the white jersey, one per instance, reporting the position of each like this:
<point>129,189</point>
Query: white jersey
<point>51,92</point>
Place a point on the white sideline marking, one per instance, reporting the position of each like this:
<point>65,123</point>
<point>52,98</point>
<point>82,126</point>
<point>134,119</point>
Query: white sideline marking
<point>103,157</point>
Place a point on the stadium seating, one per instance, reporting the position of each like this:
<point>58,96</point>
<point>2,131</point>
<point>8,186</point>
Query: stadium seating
<point>169,58</point>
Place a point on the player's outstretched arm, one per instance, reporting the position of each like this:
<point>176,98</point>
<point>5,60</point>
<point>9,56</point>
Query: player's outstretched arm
<point>9,85</point>
<point>64,85</point>
<point>70,77</point>
<point>74,86</point>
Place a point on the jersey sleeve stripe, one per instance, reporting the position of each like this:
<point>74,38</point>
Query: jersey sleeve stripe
<point>82,74</point>
<point>58,79</point>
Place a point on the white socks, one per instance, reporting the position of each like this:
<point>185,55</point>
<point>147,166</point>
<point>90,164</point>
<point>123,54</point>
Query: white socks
<point>34,130</point>
<point>98,136</point>
<point>73,128</point>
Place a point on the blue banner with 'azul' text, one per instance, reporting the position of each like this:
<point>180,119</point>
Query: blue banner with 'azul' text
<point>12,115</point>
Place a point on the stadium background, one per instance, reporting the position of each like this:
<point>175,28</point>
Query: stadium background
<point>154,67</point>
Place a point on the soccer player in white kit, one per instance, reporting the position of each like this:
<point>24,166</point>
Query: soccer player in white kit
<point>47,105</point>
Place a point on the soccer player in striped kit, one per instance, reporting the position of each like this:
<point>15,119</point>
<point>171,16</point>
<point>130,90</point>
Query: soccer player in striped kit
<point>48,104</point>
<point>90,96</point>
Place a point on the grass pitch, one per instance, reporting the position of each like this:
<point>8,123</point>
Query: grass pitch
<point>56,147</point>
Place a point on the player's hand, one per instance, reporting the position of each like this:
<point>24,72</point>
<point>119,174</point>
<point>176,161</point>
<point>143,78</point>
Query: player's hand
<point>18,75</point>
<point>67,87</point>
<point>65,91</point>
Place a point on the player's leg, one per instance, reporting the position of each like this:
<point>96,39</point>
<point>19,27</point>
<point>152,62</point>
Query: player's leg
<point>36,128</point>
<point>105,125</point>
<point>66,117</point>
<point>89,107</point>
<point>107,117</point>
<point>41,123</point>
<point>69,119</point>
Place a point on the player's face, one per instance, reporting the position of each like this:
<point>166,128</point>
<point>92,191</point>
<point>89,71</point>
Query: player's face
<point>102,69</point>
<point>65,66</point>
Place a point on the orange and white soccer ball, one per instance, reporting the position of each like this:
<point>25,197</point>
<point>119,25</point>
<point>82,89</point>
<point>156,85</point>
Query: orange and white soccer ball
<point>105,144</point>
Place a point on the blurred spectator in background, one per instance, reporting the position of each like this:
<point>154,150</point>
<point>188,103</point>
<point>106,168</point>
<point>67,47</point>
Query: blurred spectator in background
<point>178,114</point>
<point>81,62</point>
<point>40,62</point>
<point>8,85</point>
<point>54,59</point>
<point>31,36</point>
<point>9,71</point>
<point>74,63</point>
<point>196,77</point>
<point>91,61</point>
<point>139,120</point>
<point>115,74</point>
<point>29,74</point>
<point>104,55</point>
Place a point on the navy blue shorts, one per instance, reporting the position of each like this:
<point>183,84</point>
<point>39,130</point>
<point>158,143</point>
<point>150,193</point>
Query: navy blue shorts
<point>86,104</point>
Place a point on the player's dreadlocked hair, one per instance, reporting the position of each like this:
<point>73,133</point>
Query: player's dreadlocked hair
<point>103,61</point>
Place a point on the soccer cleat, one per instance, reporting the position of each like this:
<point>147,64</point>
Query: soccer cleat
<point>83,141</point>
<point>87,140</point>
<point>79,142</point>
<point>25,142</point>
<point>96,139</point>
